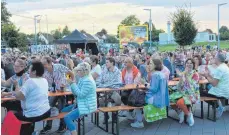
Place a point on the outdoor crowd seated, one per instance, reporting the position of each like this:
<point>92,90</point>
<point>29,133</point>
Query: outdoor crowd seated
<point>218,78</point>
<point>91,72</point>
<point>157,95</point>
<point>131,75</point>
<point>55,74</point>
<point>16,82</point>
<point>33,95</point>
<point>110,77</point>
<point>96,68</point>
<point>187,92</point>
<point>85,93</point>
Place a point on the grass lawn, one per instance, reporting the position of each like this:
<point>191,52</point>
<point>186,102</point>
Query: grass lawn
<point>172,47</point>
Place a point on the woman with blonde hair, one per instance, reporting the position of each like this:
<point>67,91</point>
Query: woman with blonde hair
<point>85,91</point>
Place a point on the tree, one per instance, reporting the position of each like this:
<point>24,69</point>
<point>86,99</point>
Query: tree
<point>111,39</point>
<point>13,38</point>
<point>223,29</point>
<point>118,31</point>
<point>224,33</point>
<point>9,34</point>
<point>104,32</point>
<point>56,34</point>
<point>129,21</point>
<point>208,30</point>
<point>5,15</point>
<point>66,31</point>
<point>155,32</point>
<point>22,41</point>
<point>83,31</point>
<point>184,27</point>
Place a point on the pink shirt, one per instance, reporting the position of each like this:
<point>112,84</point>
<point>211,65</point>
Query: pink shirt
<point>129,79</point>
<point>166,71</point>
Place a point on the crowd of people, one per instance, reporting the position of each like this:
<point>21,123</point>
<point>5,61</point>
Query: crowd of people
<point>29,78</point>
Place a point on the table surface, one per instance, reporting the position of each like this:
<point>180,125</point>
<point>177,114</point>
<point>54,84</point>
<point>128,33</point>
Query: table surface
<point>126,87</point>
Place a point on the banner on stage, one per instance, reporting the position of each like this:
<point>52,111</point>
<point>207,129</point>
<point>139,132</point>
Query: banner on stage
<point>42,49</point>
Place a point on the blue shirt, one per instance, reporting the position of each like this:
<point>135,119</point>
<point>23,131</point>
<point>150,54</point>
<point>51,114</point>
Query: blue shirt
<point>158,90</point>
<point>143,71</point>
<point>168,64</point>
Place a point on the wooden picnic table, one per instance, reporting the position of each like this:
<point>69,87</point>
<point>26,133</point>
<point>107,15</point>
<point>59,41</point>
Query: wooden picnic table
<point>59,93</point>
<point>205,81</point>
<point>176,79</point>
<point>126,87</point>
<point>173,83</point>
<point>51,94</point>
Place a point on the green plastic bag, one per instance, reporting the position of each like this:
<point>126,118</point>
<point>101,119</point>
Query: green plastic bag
<point>152,113</point>
<point>175,96</point>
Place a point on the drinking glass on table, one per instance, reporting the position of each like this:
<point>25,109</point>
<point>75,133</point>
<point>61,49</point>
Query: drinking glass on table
<point>62,88</point>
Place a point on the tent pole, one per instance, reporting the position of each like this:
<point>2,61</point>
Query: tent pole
<point>85,48</point>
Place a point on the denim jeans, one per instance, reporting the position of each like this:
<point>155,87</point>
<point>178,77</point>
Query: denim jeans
<point>72,115</point>
<point>139,116</point>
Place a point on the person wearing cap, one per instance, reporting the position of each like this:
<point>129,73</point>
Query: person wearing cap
<point>219,81</point>
<point>85,91</point>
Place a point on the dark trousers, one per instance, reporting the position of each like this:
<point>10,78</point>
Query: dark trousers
<point>61,104</point>
<point>125,96</point>
<point>206,94</point>
<point>27,129</point>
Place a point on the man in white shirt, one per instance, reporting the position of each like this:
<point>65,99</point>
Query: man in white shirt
<point>96,69</point>
<point>55,75</point>
<point>219,80</point>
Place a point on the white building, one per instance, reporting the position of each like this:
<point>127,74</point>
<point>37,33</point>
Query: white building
<point>168,38</point>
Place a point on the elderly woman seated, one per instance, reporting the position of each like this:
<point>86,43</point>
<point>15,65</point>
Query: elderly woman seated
<point>34,98</point>
<point>85,91</point>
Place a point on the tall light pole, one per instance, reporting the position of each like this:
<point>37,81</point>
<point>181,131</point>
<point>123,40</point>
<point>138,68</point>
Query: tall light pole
<point>47,28</point>
<point>35,23</point>
<point>219,24</point>
<point>150,26</point>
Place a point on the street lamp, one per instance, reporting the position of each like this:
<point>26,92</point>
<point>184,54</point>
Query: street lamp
<point>47,28</point>
<point>218,23</point>
<point>150,26</point>
<point>35,22</point>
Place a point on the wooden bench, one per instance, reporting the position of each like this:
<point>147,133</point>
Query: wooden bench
<point>176,79</point>
<point>115,119</point>
<point>60,116</point>
<point>202,99</point>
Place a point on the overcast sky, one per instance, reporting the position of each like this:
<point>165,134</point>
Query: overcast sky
<point>93,15</point>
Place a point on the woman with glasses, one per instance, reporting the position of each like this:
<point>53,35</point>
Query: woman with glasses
<point>17,81</point>
<point>187,92</point>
